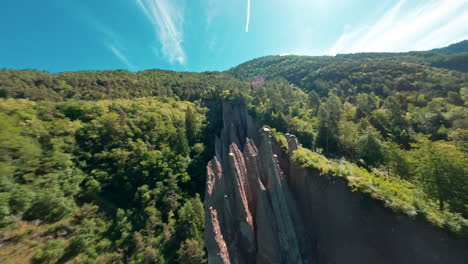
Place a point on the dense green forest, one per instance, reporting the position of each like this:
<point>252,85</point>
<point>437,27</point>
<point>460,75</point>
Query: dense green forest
<point>109,166</point>
<point>119,180</point>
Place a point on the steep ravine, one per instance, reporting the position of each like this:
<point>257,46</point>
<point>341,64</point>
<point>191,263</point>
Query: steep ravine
<point>260,208</point>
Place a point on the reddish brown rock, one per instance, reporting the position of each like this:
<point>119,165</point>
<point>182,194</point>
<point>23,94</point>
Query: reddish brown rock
<point>220,254</point>
<point>260,208</point>
<point>247,189</point>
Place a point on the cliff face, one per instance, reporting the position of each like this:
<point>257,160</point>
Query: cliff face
<point>260,208</point>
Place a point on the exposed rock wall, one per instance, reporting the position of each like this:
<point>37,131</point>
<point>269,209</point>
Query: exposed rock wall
<point>350,227</point>
<point>260,208</point>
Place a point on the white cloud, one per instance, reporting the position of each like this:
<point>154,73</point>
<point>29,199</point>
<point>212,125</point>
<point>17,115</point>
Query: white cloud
<point>111,40</point>
<point>121,56</point>
<point>436,38</point>
<point>248,17</point>
<point>404,27</point>
<point>167,21</point>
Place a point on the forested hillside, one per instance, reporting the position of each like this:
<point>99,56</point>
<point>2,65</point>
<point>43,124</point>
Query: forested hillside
<point>108,181</point>
<point>96,85</point>
<point>110,166</point>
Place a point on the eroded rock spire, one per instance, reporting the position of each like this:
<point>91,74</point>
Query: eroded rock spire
<point>250,217</point>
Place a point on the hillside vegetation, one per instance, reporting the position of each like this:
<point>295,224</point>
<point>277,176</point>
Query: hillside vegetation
<point>109,166</point>
<point>112,175</point>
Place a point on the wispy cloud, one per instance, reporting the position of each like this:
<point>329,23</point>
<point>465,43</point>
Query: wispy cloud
<point>113,42</point>
<point>167,21</point>
<point>121,56</point>
<point>248,17</point>
<point>109,38</point>
<point>406,27</point>
<point>212,11</point>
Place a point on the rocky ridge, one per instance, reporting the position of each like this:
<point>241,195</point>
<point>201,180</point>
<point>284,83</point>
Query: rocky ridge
<point>260,208</point>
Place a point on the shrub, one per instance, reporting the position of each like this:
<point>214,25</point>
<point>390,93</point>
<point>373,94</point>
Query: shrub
<point>191,251</point>
<point>49,207</point>
<point>50,252</point>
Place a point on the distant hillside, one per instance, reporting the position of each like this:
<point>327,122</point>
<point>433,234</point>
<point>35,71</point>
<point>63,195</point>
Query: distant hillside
<point>94,85</point>
<point>453,57</point>
<point>459,47</point>
<point>351,75</point>
<point>307,72</point>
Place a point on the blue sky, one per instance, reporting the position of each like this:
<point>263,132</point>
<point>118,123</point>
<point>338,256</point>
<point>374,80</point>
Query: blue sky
<point>202,35</point>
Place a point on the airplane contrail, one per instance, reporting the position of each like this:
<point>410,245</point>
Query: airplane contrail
<point>248,16</point>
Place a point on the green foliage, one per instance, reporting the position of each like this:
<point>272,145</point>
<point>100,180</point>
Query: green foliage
<point>370,145</point>
<point>97,85</point>
<point>397,161</point>
<point>359,73</point>
<point>285,107</point>
<point>366,103</point>
<point>40,178</point>
<point>49,207</point>
<point>191,126</point>
<point>328,130</point>
<point>281,139</point>
<point>191,219</point>
<point>118,170</point>
<point>191,252</point>
<point>441,169</point>
<point>50,252</point>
